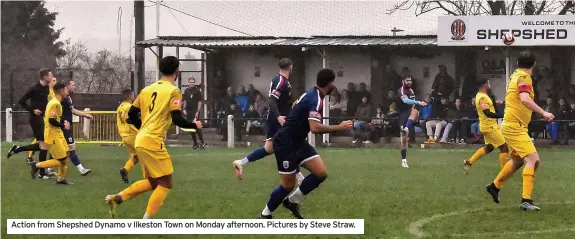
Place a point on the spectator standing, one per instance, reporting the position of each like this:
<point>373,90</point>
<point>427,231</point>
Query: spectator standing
<point>470,122</point>
<point>362,116</point>
<point>343,102</point>
<point>352,102</point>
<point>252,93</point>
<point>391,80</point>
<point>192,108</point>
<point>571,125</point>
<point>437,121</point>
<point>443,82</point>
<point>553,126</point>
<point>363,92</point>
<point>563,112</point>
<point>335,108</point>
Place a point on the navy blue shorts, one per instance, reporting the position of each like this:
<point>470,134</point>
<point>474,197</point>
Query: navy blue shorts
<point>69,135</point>
<point>272,126</point>
<point>290,157</point>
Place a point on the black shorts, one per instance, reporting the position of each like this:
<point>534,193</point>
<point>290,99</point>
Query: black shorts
<point>289,157</point>
<point>272,125</point>
<point>191,114</point>
<point>37,124</point>
<point>69,135</point>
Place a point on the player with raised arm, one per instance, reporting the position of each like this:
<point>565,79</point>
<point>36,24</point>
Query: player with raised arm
<point>127,131</point>
<point>38,96</point>
<point>67,111</point>
<point>408,113</point>
<point>54,137</point>
<point>280,106</point>
<point>292,149</point>
<point>160,105</point>
<point>488,127</point>
<point>519,105</point>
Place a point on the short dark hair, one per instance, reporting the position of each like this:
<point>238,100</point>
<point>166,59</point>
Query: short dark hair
<point>285,63</point>
<point>44,72</point>
<point>526,59</point>
<point>325,77</point>
<point>59,86</point>
<point>126,93</point>
<point>67,82</point>
<point>169,65</point>
<point>481,82</point>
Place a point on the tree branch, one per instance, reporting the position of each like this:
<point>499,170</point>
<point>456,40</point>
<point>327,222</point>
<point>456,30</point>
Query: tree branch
<point>445,9</point>
<point>569,6</point>
<point>541,8</point>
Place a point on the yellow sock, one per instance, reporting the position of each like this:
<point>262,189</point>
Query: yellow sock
<point>503,175</point>
<point>528,178</point>
<point>477,155</point>
<point>63,169</point>
<point>503,159</point>
<point>31,153</point>
<point>48,163</point>
<point>129,164</point>
<point>156,200</point>
<point>136,189</point>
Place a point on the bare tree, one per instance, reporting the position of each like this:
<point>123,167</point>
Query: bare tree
<point>487,7</point>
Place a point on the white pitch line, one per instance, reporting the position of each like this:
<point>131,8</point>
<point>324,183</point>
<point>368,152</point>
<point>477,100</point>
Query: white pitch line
<point>557,230</point>
<point>416,228</point>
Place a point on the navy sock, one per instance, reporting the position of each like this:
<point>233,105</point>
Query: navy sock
<point>404,154</point>
<point>310,183</point>
<point>257,154</point>
<point>277,197</point>
<point>409,123</point>
<point>74,158</point>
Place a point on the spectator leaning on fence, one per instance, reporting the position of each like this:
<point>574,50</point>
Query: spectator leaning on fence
<point>437,121</point>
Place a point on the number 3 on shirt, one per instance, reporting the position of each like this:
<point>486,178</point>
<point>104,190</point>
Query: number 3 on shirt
<point>154,96</point>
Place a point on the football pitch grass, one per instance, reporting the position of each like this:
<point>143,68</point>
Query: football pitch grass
<point>433,198</point>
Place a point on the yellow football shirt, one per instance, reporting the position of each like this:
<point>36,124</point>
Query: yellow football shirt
<point>51,94</point>
<point>53,111</point>
<point>484,102</point>
<point>515,111</point>
<point>156,102</point>
<point>125,129</point>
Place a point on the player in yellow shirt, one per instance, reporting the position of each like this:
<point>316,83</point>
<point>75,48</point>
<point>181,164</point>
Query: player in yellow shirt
<point>488,127</point>
<point>50,97</point>
<point>519,106</point>
<point>160,105</point>
<point>54,136</point>
<point>127,131</point>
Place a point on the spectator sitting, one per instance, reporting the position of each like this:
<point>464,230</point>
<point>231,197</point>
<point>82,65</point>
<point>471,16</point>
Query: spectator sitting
<point>437,121</point>
<point>443,82</point>
<point>252,118</point>
<point>229,98</point>
<point>552,127</point>
<point>243,100</point>
<point>252,93</point>
<point>453,131</point>
<point>387,101</point>
<point>377,125</point>
<point>362,116</point>
<point>472,124</point>
<point>233,110</point>
<point>425,112</point>
<point>343,102</point>
<point>352,100</point>
<point>334,109</point>
<point>261,104</point>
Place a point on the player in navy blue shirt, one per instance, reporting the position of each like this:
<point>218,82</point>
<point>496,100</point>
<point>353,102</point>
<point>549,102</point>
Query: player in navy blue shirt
<point>67,111</point>
<point>407,107</point>
<point>279,107</point>
<point>292,149</point>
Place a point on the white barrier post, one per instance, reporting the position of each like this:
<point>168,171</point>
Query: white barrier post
<point>86,126</point>
<point>231,136</point>
<point>9,125</point>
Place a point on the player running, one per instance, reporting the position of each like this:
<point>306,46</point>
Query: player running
<point>54,137</point>
<point>35,141</point>
<point>160,105</point>
<point>67,111</point>
<point>408,113</point>
<point>292,150</point>
<point>38,96</point>
<point>488,127</point>
<point>519,106</point>
<point>127,131</point>
<point>280,106</point>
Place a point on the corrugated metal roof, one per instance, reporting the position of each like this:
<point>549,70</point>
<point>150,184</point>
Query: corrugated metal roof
<point>219,42</point>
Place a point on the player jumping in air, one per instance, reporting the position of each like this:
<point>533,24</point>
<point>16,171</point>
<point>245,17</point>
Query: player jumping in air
<point>38,96</point>
<point>67,111</point>
<point>280,106</point>
<point>127,131</point>
<point>54,137</point>
<point>160,105</point>
<point>292,149</point>
<point>519,106</point>
<point>408,113</point>
<point>488,126</point>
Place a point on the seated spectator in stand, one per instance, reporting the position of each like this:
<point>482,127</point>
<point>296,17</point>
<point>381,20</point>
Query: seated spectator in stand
<point>252,93</point>
<point>238,122</point>
<point>335,109</point>
<point>252,119</point>
<point>391,124</point>
<point>362,116</point>
<point>453,131</point>
<point>343,102</point>
<point>261,104</point>
<point>470,122</point>
<point>376,125</point>
<point>229,98</point>
<point>437,120</point>
<point>552,127</point>
<point>388,100</point>
<point>243,100</point>
<point>563,111</point>
<point>425,112</point>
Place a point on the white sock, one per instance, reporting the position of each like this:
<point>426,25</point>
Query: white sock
<point>296,196</point>
<point>146,216</point>
<point>266,211</point>
<point>404,160</point>
<point>244,161</point>
<point>80,167</point>
<point>299,177</point>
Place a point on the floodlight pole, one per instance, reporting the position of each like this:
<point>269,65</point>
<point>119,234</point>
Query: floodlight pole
<point>158,35</point>
<point>325,99</point>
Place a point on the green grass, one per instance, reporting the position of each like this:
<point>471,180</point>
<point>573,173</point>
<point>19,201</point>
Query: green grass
<point>362,183</point>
